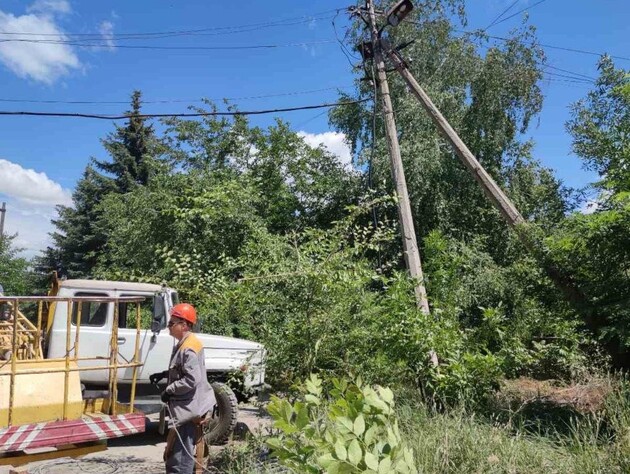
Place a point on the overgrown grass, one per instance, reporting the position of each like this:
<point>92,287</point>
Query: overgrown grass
<point>462,441</point>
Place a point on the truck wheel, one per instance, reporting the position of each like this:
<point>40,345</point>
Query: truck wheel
<point>221,426</point>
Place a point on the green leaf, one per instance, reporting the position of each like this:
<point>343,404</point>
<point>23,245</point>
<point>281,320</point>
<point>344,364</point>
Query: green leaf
<point>355,454</point>
<point>370,434</point>
<point>345,424</point>
<point>333,467</point>
<point>325,460</point>
<point>301,419</point>
<point>340,450</point>
<point>359,425</point>
<point>386,394</point>
<point>312,399</point>
<point>385,466</point>
<point>287,411</point>
<point>371,461</point>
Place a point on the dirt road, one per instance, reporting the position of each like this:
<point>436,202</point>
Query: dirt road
<point>140,453</point>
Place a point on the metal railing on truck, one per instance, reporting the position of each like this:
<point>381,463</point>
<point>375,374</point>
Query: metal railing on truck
<point>26,337</point>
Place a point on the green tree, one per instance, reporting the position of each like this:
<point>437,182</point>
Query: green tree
<point>595,248</point>
<point>489,93</point>
<point>15,275</point>
<point>600,127</point>
<point>302,186</point>
<point>135,155</point>
<point>233,184</point>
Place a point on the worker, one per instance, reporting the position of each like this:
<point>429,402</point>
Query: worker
<point>188,395</point>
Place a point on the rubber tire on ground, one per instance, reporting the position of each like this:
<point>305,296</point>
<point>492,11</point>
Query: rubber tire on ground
<point>220,428</point>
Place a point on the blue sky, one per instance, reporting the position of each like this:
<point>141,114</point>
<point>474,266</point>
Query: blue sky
<point>42,158</point>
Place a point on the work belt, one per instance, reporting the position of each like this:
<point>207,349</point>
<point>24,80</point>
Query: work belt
<point>199,444</point>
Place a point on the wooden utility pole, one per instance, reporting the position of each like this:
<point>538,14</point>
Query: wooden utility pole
<point>490,187</point>
<point>3,211</point>
<point>496,195</point>
<point>410,244</point>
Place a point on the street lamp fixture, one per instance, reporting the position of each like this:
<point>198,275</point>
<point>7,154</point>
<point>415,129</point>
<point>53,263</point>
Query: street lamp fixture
<point>398,12</point>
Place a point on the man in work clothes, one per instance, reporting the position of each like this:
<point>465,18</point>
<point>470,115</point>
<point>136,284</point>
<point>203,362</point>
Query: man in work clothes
<point>188,394</point>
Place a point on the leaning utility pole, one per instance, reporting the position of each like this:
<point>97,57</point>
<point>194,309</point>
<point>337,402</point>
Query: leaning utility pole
<point>410,244</point>
<point>496,195</point>
<point>3,211</point>
<point>505,206</point>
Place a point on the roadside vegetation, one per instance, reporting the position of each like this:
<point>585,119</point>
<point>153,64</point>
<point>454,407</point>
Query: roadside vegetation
<point>279,242</point>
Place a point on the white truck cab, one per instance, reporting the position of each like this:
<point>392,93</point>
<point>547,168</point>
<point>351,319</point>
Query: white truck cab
<point>231,363</point>
<point>224,355</point>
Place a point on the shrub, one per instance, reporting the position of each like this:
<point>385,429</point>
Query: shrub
<point>353,431</point>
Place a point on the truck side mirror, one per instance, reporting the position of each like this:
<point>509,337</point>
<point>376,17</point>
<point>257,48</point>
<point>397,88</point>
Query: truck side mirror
<point>156,326</point>
<point>159,313</point>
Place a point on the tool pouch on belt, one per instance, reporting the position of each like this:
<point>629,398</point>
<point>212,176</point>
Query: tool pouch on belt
<point>170,441</point>
<point>198,441</point>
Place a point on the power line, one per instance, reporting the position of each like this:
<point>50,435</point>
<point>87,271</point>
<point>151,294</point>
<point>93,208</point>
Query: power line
<point>543,45</point>
<point>191,114</point>
<point>550,46</point>
<point>591,79</point>
<point>118,37</point>
<point>344,50</point>
<point>152,47</point>
<point>501,15</point>
<point>574,75</point>
<point>517,13</point>
<point>567,76</point>
<point>169,101</point>
<point>282,22</point>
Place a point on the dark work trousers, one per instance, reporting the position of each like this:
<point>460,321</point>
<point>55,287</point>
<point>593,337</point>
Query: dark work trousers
<point>181,459</point>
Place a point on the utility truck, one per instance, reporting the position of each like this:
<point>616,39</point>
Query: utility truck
<point>232,364</point>
<point>109,337</point>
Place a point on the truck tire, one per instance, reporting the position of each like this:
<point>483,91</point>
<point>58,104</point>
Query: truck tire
<point>221,426</point>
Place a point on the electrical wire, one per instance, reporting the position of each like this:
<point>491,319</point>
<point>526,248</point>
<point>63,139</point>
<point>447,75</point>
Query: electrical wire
<point>517,13</point>
<point>301,124</point>
<point>148,35</point>
<point>344,50</point>
<point>567,76</point>
<point>119,37</point>
<point>579,75</point>
<point>181,441</point>
<point>191,114</point>
<point>170,101</point>
<point>543,45</point>
<point>153,47</point>
<point>561,48</point>
<point>371,159</point>
<point>501,15</point>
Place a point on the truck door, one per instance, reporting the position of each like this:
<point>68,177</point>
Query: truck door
<point>154,352</point>
<point>94,335</point>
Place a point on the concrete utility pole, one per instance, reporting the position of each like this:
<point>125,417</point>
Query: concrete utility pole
<point>410,244</point>
<point>490,187</point>
<point>3,211</point>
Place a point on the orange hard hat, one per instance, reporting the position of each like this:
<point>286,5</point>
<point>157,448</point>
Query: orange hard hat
<point>184,311</point>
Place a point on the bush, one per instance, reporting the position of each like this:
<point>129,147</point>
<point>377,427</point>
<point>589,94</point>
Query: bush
<point>355,430</point>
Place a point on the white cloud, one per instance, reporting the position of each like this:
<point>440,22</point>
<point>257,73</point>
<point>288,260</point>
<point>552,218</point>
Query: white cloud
<point>50,6</point>
<point>32,224</point>
<point>589,207</point>
<point>29,186</point>
<point>43,61</point>
<point>334,142</point>
<point>106,29</point>
<point>31,198</point>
